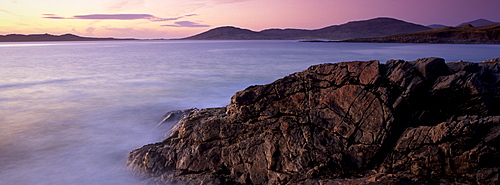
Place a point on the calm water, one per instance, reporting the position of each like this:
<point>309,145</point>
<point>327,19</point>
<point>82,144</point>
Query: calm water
<point>71,111</point>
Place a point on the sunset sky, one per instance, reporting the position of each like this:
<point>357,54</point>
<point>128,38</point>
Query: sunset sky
<point>181,18</point>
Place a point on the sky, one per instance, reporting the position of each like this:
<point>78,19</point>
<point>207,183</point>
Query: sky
<point>152,19</point>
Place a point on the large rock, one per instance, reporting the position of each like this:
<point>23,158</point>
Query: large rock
<point>419,122</point>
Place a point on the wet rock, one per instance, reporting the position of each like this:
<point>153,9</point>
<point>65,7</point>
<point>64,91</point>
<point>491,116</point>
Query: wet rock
<point>419,122</point>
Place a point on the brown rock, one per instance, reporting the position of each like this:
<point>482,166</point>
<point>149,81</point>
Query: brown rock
<point>403,122</point>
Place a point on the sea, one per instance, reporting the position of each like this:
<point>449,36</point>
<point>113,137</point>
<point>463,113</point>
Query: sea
<point>70,112</point>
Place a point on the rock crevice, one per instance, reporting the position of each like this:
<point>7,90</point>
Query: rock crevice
<point>420,122</point>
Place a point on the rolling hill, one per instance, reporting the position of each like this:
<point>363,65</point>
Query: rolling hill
<point>475,23</point>
<point>479,23</point>
<point>355,29</point>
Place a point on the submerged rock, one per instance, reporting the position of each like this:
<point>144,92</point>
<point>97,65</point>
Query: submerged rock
<point>419,122</point>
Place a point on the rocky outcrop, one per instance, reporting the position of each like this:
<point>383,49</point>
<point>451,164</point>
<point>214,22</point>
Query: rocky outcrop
<point>419,122</point>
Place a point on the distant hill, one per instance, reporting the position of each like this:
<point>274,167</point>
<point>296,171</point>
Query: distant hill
<point>226,32</point>
<point>465,34</point>
<point>479,23</point>
<point>48,37</point>
<point>475,23</point>
<point>356,29</point>
<point>434,26</point>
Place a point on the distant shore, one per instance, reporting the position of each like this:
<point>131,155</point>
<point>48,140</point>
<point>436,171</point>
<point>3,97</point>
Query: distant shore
<point>368,40</point>
<point>465,34</point>
<point>49,37</point>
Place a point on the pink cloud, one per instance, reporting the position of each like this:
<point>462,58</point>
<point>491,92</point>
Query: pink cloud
<point>122,17</point>
<point>133,32</point>
<point>54,17</point>
<point>186,24</point>
<point>90,30</point>
<point>228,1</point>
<point>117,17</point>
<point>8,12</point>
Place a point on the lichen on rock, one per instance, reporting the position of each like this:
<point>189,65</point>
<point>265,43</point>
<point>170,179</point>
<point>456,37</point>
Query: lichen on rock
<point>419,122</point>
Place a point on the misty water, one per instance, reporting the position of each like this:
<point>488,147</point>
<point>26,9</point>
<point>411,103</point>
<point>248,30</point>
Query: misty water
<point>71,111</point>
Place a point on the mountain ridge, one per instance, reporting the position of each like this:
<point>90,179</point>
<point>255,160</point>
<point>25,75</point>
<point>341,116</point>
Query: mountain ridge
<point>370,28</point>
<point>355,29</point>
<point>479,23</point>
<point>475,23</point>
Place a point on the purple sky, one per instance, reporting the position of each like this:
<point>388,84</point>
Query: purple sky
<point>174,18</point>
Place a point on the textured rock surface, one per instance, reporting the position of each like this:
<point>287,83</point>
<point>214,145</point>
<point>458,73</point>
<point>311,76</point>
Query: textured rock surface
<point>419,122</point>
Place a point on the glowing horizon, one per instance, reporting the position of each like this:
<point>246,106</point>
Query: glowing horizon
<point>175,19</point>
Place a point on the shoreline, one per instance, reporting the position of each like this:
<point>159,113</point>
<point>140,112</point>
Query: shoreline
<point>416,42</point>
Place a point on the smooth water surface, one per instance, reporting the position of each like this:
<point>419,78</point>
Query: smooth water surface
<point>71,111</point>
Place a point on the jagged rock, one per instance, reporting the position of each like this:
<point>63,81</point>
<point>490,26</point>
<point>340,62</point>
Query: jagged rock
<point>419,122</point>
